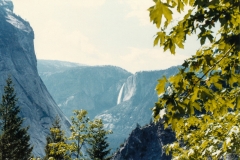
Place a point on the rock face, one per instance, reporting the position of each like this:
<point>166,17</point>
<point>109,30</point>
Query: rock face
<point>73,86</point>
<point>145,143</point>
<point>18,60</point>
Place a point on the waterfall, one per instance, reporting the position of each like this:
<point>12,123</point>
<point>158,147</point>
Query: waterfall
<point>120,94</point>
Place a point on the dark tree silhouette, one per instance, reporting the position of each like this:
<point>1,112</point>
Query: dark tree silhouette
<point>14,140</point>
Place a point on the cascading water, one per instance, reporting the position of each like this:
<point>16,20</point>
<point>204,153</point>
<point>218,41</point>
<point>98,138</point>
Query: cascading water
<point>120,94</point>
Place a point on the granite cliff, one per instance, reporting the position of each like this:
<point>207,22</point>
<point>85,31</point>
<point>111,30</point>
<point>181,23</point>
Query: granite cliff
<point>18,60</point>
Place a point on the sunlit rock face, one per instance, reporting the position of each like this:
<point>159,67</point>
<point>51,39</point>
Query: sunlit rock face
<point>18,60</point>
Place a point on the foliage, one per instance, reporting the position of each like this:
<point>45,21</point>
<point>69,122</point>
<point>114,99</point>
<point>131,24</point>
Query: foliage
<point>14,140</point>
<point>201,103</point>
<point>83,132</point>
<point>98,141</point>
<point>57,147</point>
<point>35,158</point>
<point>79,131</point>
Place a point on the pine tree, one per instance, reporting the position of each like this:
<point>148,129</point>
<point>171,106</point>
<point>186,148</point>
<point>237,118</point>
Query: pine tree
<point>98,141</point>
<point>14,140</point>
<point>56,146</point>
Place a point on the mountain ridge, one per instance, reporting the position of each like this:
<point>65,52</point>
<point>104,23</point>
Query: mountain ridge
<point>129,98</point>
<point>86,87</point>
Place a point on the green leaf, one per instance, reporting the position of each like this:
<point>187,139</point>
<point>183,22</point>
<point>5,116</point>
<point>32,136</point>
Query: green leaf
<point>195,94</point>
<point>233,79</point>
<point>180,6</point>
<point>211,6</point>
<point>204,144</point>
<point>155,15</point>
<point>221,46</point>
<point>174,123</point>
<point>230,103</point>
<point>191,2</point>
<point>156,12</point>
<point>172,48</point>
<point>210,38</point>
<point>197,106</point>
<point>238,102</point>
<point>202,40</point>
<point>167,14</point>
<point>218,85</point>
<point>156,41</point>
<point>191,109</point>
<point>179,43</point>
<point>160,88</point>
<point>161,37</point>
<point>214,105</point>
<point>215,78</point>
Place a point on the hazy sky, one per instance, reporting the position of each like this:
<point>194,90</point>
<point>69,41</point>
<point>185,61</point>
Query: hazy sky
<point>98,32</point>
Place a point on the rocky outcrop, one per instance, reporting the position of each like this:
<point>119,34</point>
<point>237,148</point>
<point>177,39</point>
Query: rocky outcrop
<point>18,60</point>
<point>145,143</point>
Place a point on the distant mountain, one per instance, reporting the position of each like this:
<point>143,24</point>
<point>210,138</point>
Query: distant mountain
<point>94,88</point>
<point>48,67</point>
<point>18,60</point>
<point>118,97</point>
<point>138,96</point>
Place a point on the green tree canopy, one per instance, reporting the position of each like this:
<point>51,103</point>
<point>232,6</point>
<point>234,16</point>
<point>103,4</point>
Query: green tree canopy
<point>57,147</point>
<point>14,140</point>
<point>79,131</point>
<point>201,103</point>
<point>98,141</point>
<point>84,132</point>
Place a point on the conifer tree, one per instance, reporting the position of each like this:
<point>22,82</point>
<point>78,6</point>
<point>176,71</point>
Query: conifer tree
<point>98,141</point>
<point>14,140</point>
<point>56,147</point>
<point>85,132</point>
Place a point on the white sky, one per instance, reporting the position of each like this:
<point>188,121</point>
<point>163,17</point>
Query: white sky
<point>98,32</point>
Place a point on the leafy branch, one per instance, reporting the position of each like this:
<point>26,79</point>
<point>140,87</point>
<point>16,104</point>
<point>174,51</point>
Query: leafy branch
<point>201,113</point>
